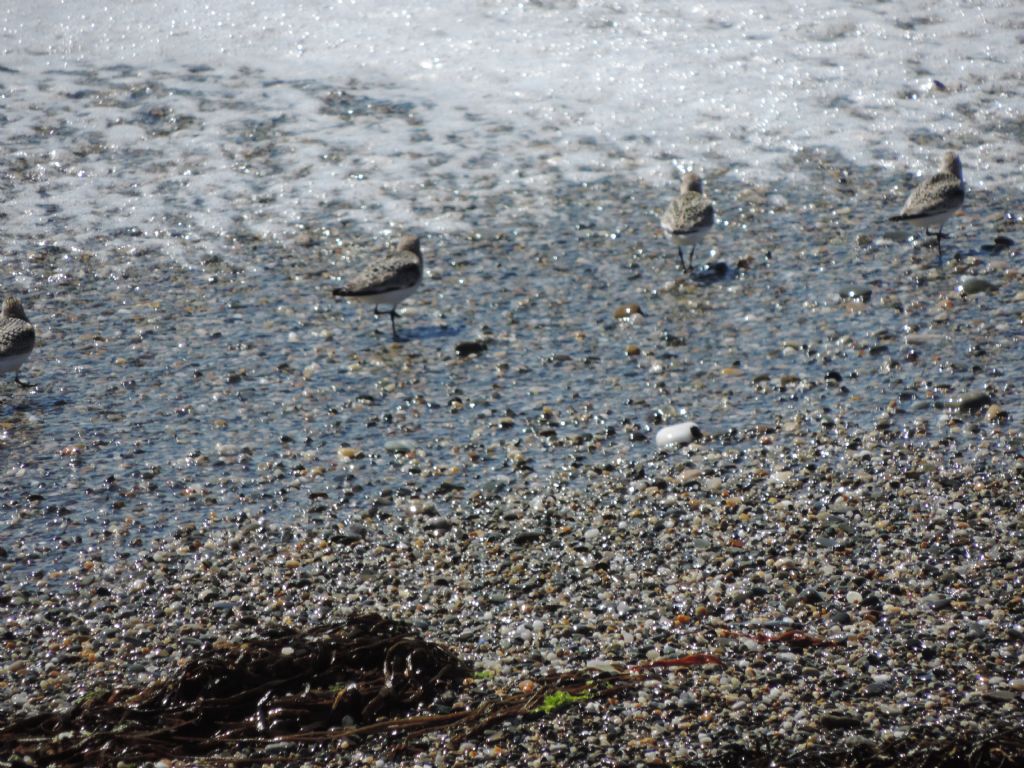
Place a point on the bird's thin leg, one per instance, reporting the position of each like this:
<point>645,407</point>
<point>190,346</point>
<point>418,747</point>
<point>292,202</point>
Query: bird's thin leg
<point>394,331</point>
<point>938,243</point>
<point>377,312</point>
<point>682,259</point>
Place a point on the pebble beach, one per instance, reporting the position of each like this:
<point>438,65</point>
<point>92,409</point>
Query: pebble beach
<point>213,445</point>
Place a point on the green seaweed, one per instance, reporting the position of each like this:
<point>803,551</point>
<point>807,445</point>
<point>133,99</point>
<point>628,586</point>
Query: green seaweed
<point>560,699</point>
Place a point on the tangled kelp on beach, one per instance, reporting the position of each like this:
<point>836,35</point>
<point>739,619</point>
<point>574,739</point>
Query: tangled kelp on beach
<point>283,684</point>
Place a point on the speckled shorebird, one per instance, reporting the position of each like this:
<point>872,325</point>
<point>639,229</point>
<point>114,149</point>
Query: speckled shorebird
<point>936,199</point>
<point>17,338</point>
<point>690,216</point>
<point>389,280</point>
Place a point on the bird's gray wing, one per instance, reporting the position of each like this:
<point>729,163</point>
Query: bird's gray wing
<point>16,337</point>
<point>383,276</point>
<point>941,193</point>
<point>688,213</point>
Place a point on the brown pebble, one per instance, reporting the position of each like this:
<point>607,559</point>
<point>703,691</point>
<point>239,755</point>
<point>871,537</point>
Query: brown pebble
<point>628,310</point>
<point>996,413</point>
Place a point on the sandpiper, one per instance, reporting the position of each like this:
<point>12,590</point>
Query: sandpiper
<point>936,199</point>
<point>17,338</point>
<point>690,216</point>
<point>389,280</point>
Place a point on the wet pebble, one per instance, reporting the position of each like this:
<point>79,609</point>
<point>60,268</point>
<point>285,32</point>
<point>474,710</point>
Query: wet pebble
<point>1002,696</point>
<point>860,293</point>
<point>470,348</point>
<point>628,311</point>
<point>438,523</point>
<point>839,720</point>
<point>975,285</point>
<point>352,533</point>
<point>677,434</point>
<point>970,401</point>
<point>523,538</point>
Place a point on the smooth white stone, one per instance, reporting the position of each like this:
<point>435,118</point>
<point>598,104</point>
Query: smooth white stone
<point>681,434</point>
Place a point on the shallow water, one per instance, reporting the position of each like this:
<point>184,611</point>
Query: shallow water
<point>627,86</point>
<point>175,232</point>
